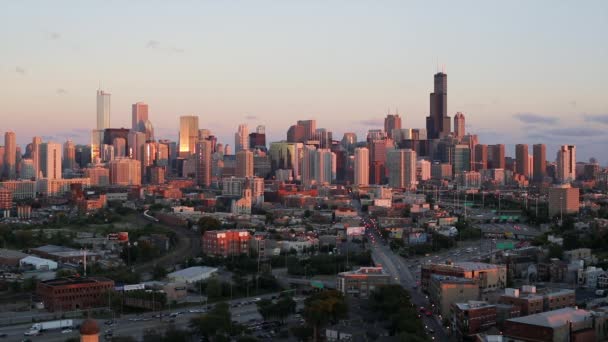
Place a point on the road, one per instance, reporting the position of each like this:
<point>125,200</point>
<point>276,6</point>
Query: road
<point>243,310</point>
<point>400,273</point>
<point>188,245</point>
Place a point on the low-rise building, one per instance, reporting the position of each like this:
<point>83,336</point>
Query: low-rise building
<point>64,254</point>
<point>563,325</point>
<point>74,293</point>
<point>445,290</point>
<point>472,317</point>
<point>10,258</point>
<point>489,277</point>
<point>529,303</point>
<point>39,264</point>
<point>192,274</point>
<point>226,242</point>
<point>361,282</point>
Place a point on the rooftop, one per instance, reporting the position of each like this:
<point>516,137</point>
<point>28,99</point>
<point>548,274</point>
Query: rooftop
<point>74,281</point>
<point>473,304</point>
<point>61,251</point>
<point>468,265</point>
<point>10,253</point>
<point>555,318</point>
<point>367,271</point>
<point>191,272</point>
<point>452,279</point>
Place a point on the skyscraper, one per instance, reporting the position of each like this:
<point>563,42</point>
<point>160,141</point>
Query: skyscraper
<point>203,163</point>
<point>481,157</point>
<point>244,163</point>
<point>361,166</point>
<point>498,156</point>
<point>241,138</point>
<point>566,163</point>
<point>459,130</point>
<point>539,151</point>
<point>125,171</point>
<point>521,159</point>
<point>10,155</point>
<point>438,121</point>
<point>391,122</point>
<point>296,133</point>
<point>402,168</point>
<point>103,110</point>
<point>325,166</point>
<point>349,140</point>
<point>50,160</point>
<point>139,116</point>
<point>69,155</point>
<point>310,128</point>
<point>377,156</point>
<point>308,165</point>
<point>36,141</point>
<point>461,159</point>
<point>188,135</point>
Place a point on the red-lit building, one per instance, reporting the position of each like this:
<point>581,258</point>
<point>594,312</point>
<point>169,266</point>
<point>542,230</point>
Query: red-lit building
<point>6,201</point>
<point>74,293</point>
<point>472,318</point>
<point>226,242</point>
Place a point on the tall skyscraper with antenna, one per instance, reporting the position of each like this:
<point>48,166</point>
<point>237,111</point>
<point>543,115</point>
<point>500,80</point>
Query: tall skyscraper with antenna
<point>438,122</point>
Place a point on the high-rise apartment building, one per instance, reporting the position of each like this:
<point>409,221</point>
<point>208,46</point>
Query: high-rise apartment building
<point>522,160</point>
<point>69,155</point>
<point>325,166</point>
<point>204,150</point>
<point>50,160</point>
<point>438,122</point>
<point>10,155</point>
<point>188,135</point>
<point>241,138</point>
<point>402,168</point>
<point>566,163</point>
<point>361,166</point>
<point>459,129</point>
<point>539,151</point>
<point>308,165</point>
<point>244,163</point>
<point>125,171</point>
<point>391,122</point>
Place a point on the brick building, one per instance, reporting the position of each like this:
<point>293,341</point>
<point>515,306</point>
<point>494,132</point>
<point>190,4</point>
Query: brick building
<point>489,277</point>
<point>472,317</point>
<point>74,293</point>
<point>226,242</point>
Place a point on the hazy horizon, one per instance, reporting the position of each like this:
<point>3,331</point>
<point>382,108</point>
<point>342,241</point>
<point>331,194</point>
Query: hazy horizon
<point>522,72</point>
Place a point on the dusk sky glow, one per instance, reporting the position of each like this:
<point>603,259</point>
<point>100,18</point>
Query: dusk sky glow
<point>521,71</point>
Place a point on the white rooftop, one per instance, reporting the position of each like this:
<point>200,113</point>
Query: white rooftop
<point>191,272</point>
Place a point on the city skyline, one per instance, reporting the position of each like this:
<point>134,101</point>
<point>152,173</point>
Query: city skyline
<point>552,96</point>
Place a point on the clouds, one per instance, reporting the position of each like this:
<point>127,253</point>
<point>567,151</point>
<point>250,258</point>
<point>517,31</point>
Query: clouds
<point>20,70</point>
<point>601,118</point>
<point>575,132</point>
<point>251,117</point>
<point>156,45</point>
<point>54,36</point>
<point>61,91</point>
<point>371,122</point>
<point>532,118</point>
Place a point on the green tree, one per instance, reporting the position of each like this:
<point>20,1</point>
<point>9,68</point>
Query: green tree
<point>214,289</point>
<point>324,308</point>
<point>555,251</point>
<point>159,272</point>
<point>218,320</point>
<point>206,223</point>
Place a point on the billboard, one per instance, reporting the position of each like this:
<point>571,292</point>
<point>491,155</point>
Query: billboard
<point>418,238</point>
<point>120,236</point>
<point>505,245</point>
<point>355,231</point>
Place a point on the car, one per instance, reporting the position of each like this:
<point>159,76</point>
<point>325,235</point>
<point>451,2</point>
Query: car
<point>428,313</point>
<point>66,331</point>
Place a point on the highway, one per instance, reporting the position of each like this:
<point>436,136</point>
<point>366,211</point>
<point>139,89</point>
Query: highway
<point>244,310</point>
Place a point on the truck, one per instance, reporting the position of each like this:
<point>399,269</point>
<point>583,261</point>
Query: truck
<point>37,328</point>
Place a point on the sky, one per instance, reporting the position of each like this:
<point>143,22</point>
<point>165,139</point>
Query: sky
<point>520,71</point>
